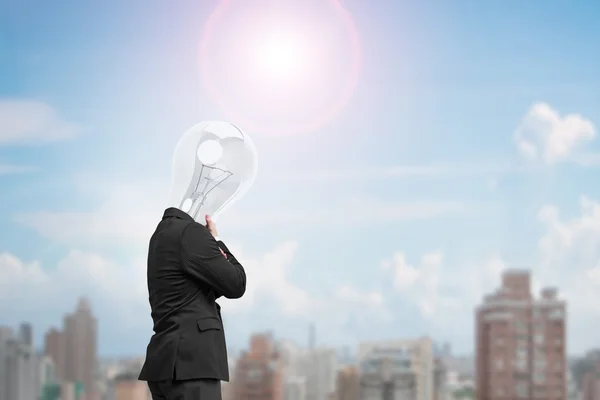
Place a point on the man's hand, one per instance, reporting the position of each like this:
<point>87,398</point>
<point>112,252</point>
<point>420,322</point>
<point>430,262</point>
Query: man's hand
<point>210,225</point>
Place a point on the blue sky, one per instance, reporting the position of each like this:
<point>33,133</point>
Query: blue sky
<point>389,220</point>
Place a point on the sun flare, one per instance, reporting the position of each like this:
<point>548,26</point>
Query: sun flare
<point>282,69</point>
<point>282,57</point>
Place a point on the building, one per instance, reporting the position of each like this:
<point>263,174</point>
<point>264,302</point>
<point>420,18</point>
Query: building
<point>319,366</point>
<point>45,373</point>
<point>347,385</point>
<point>440,376</point>
<point>127,387</point>
<point>259,371</point>
<point>292,357</point>
<point>310,373</point>
<point>397,369</point>
<point>227,388</point>
<point>26,334</point>
<point>80,335</point>
<point>295,388</point>
<point>520,342</point>
<point>294,381</point>
<point>54,347</point>
<point>71,391</point>
<point>20,368</point>
<point>6,334</point>
<point>591,384</point>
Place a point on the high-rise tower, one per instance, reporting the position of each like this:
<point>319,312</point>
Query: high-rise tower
<point>520,342</point>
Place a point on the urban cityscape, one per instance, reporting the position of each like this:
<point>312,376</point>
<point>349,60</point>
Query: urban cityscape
<point>410,186</point>
<point>519,353</point>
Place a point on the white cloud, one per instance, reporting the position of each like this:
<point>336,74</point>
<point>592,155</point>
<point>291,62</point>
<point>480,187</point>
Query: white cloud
<point>578,237</point>
<point>28,286</point>
<point>423,284</point>
<point>547,136</point>
<point>352,301</point>
<point>267,276</point>
<point>31,122</point>
<point>570,256</point>
<point>118,290</point>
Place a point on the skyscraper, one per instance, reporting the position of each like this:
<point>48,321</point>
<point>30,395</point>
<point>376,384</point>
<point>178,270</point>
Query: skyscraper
<point>6,335</point>
<point>319,366</point>
<point>259,371</point>
<point>80,335</point>
<point>26,334</point>
<point>45,374</point>
<point>520,342</point>
<point>348,384</point>
<point>20,370</point>
<point>54,347</point>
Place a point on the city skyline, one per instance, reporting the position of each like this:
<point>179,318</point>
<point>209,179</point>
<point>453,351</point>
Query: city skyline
<point>64,366</point>
<point>519,351</point>
<point>467,145</point>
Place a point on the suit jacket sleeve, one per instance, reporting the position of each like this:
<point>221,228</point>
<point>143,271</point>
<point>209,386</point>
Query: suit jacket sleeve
<point>204,262</point>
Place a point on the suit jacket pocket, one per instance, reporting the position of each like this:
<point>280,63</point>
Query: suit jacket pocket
<point>208,323</point>
<point>202,351</point>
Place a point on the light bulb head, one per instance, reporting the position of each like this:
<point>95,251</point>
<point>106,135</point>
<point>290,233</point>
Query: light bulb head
<point>214,164</point>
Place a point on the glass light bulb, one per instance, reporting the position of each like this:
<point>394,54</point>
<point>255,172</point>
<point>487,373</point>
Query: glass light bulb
<point>214,164</point>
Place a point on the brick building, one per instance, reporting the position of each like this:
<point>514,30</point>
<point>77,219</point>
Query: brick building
<point>520,342</point>
<point>348,384</point>
<point>258,372</point>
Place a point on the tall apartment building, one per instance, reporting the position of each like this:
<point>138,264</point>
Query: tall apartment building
<point>6,334</point>
<point>46,373</point>
<point>259,371</point>
<point>73,350</point>
<point>26,334</point>
<point>309,373</point>
<point>54,347</point>
<point>397,369</point>
<point>440,373</point>
<point>80,335</point>
<point>319,366</point>
<point>18,366</point>
<point>294,380</point>
<point>347,385</point>
<point>520,343</point>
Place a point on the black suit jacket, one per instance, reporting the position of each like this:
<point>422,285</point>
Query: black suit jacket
<point>186,274</point>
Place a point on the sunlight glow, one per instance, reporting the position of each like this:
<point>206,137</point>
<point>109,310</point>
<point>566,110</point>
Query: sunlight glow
<point>281,68</point>
<point>282,57</point>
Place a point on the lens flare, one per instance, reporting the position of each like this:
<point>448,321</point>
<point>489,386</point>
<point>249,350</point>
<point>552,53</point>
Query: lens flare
<point>281,58</point>
<point>280,67</point>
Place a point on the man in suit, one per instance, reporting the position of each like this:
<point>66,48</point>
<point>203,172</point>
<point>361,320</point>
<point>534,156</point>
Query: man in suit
<point>188,269</point>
